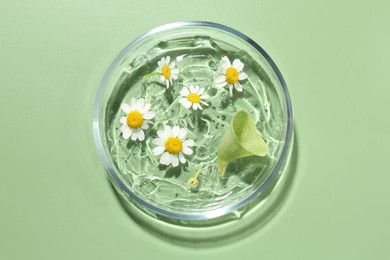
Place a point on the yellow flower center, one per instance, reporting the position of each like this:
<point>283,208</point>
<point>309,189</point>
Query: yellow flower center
<point>173,145</point>
<point>193,98</point>
<point>166,71</point>
<point>193,182</point>
<point>135,119</point>
<point>231,75</point>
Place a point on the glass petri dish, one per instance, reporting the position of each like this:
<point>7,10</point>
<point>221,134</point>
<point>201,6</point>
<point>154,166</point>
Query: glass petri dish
<point>194,192</point>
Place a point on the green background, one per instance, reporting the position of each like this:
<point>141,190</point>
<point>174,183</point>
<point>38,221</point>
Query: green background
<point>55,200</point>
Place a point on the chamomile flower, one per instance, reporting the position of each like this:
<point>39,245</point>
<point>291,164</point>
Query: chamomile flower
<point>230,74</point>
<point>193,97</point>
<point>193,181</point>
<point>167,71</point>
<point>171,143</point>
<point>136,120</point>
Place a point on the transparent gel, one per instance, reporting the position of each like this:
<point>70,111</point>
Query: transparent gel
<point>162,191</point>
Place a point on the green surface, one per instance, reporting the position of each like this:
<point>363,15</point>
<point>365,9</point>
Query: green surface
<point>55,200</point>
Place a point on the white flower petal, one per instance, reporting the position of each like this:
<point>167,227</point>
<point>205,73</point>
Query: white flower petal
<point>165,158</point>
<point>238,87</point>
<point>168,158</point>
<point>180,58</point>
<point>140,104</point>
<point>175,131</point>
<point>174,73</point>
<point>221,85</point>
<point>195,106</point>
<point>192,89</point>
<point>162,61</point>
<point>158,150</point>
<point>220,79</point>
<point>149,115</point>
<point>127,133</point>
<point>188,143</point>
<point>182,133</point>
<point>242,75</point>
<point>125,108</point>
<point>200,91</point>
<point>145,125</point>
<point>168,131</point>
<point>184,92</point>
<point>175,161</point>
<point>231,90</point>
<point>186,103</point>
<point>134,136</point>
<point>167,60</point>
<point>182,158</point>
<point>162,135</point>
<point>167,83</point>
<point>123,120</point>
<point>187,150</point>
<point>204,96</point>
<point>238,65</point>
<point>225,63</point>
<point>146,108</point>
<point>196,89</point>
<point>138,134</point>
<point>162,79</point>
<point>123,127</point>
<point>181,100</point>
<point>158,141</point>
<point>204,103</point>
<point>141,135</point>
<point>172,65</point>
<point>133,101</point>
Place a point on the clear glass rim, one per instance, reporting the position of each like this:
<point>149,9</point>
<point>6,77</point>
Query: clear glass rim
<point>213,213</point>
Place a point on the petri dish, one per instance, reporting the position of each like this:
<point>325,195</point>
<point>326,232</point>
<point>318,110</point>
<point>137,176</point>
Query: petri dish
<point>163,111</point>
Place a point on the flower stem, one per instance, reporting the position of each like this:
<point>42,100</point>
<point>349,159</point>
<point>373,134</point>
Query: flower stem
<point>197,173</point>
<point>151,75</point>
